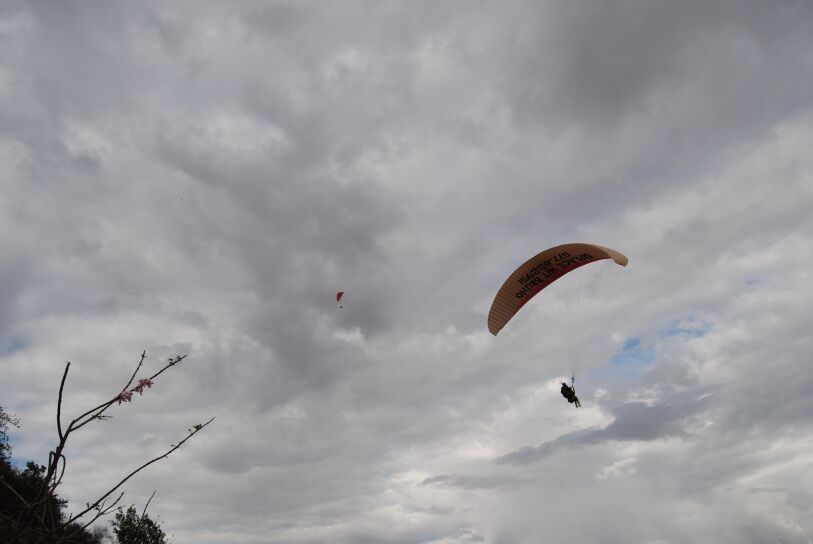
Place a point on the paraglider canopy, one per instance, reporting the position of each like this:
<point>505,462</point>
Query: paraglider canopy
<point>540,271</point>
<point>339,296</point>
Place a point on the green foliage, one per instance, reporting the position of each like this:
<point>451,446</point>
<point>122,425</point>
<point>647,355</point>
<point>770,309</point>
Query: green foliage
<point>130,528</point>
<point>5,421</point>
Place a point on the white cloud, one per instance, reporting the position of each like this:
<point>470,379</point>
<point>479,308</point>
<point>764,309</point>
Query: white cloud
<point>619,468</point>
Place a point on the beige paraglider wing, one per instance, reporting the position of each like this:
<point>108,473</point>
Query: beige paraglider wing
<point>539,272</point>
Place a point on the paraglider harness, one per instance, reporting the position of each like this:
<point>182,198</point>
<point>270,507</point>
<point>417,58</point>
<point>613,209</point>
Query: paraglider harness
<point>569,392</point>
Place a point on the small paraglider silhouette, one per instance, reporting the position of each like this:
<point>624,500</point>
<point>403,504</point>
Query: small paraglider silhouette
<point>569,392</point>
<point>339,296</point>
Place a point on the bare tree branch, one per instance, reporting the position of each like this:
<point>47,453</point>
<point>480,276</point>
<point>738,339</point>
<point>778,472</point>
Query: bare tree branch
<point>102,511</point>
<point>195,430</point>
<point>96,413</point>
<point>105,405</point>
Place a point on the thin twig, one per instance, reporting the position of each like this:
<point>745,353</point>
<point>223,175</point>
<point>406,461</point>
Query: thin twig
<point>59,402</point>
<point>173,362</point>
<point>144,512</point>
<point>138,367</point>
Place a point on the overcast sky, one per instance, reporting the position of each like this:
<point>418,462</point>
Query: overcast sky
<point>200,178</point>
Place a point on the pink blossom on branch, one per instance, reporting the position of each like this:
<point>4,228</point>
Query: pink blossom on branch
<point>124,396</point>
<point>146,382</point>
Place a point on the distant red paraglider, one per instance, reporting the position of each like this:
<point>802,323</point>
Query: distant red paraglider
<point>339,296</point>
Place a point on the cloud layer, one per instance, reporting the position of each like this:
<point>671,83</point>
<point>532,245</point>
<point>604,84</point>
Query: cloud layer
<point>201,178</point>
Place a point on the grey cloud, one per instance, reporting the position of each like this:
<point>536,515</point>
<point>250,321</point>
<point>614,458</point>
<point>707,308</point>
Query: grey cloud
<point>600,68</point>
<point>632,421</point>
<point>468,481</point>
<point>200,178</point>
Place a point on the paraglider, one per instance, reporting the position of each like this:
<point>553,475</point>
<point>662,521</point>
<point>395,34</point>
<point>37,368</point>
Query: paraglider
<point>540,271</point>
<point>339,296</point>
<point>536,274</point>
